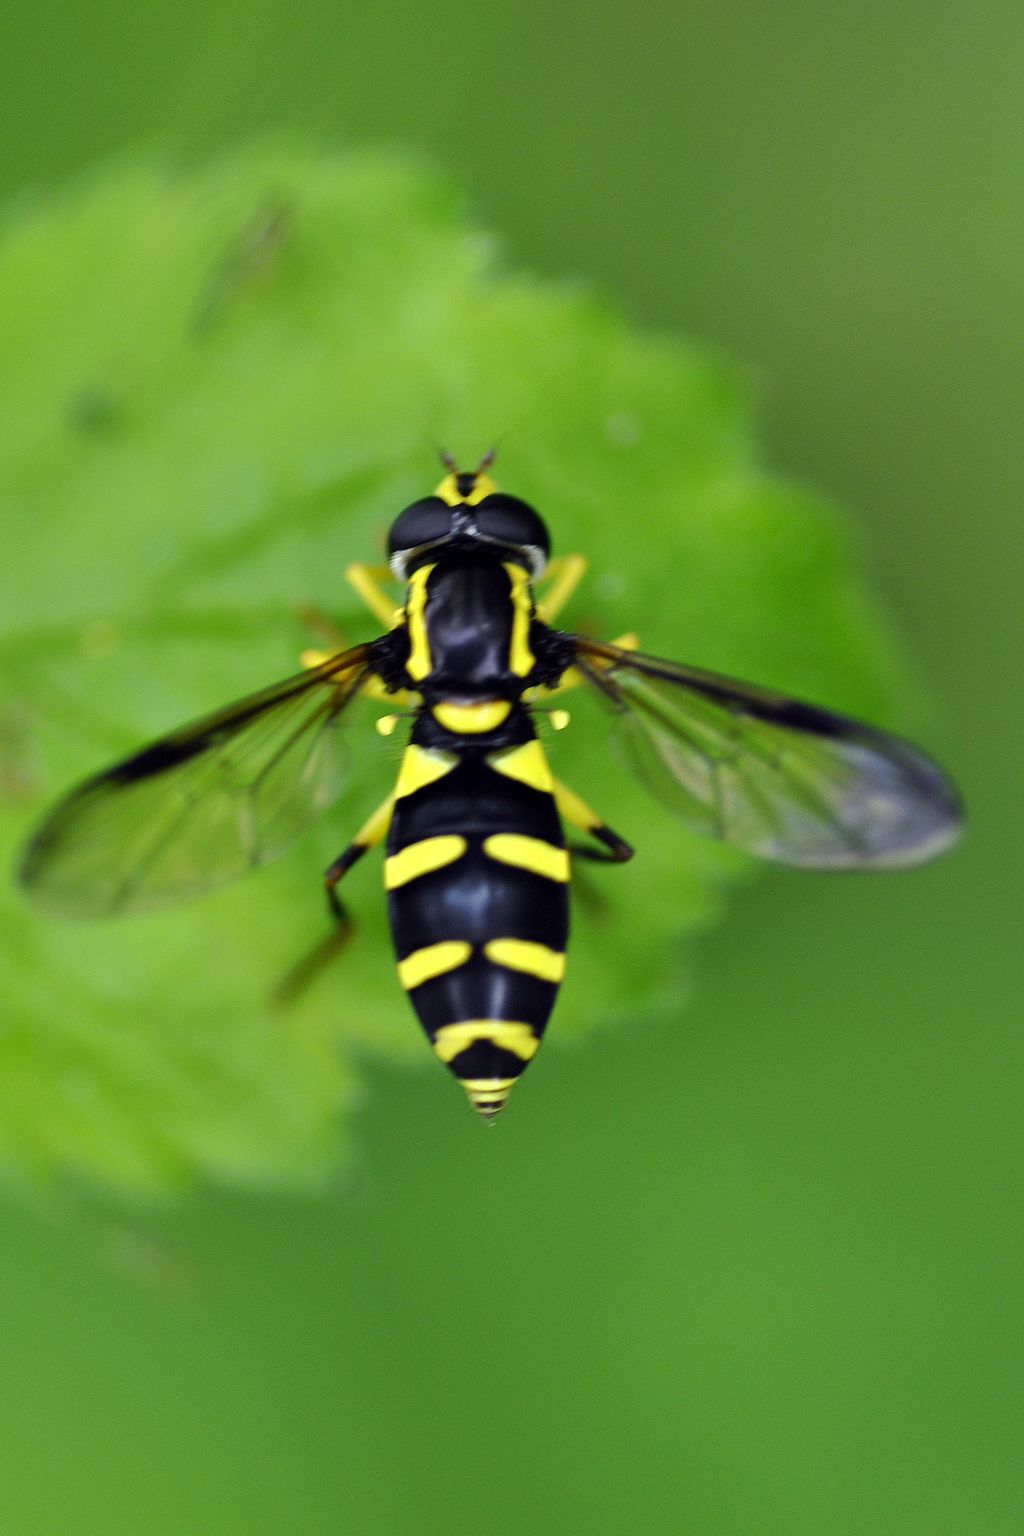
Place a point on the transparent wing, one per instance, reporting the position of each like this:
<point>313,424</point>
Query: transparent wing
<point>780,779</point>
<point>199,807</point>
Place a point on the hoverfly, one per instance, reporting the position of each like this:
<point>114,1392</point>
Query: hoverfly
<point>476,864</point>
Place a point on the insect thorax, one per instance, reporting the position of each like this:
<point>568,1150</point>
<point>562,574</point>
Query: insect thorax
<point>469,619</point>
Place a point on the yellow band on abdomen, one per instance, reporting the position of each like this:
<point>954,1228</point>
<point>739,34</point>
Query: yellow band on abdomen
<point>424,964</point>
<point>422,858</point>
<point>488,1094</point>
<point>519,1039</point>
<point>530,853</point>
<point>527,764</point>
<point>422,766</point>
<point>523,955</point>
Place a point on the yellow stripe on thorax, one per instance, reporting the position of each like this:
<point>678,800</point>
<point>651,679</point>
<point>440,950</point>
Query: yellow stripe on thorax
<point>520,656</point>
<point>422,858</point>
<point>419,664</point>
<point>519,1039</point>
<point>530,853</point>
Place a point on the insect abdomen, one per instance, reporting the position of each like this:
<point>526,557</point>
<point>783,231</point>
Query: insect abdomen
<point>477,877</point>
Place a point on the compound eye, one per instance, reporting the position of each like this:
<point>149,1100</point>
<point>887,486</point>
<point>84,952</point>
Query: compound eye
<point>511,521</point>
<point>422,523</point>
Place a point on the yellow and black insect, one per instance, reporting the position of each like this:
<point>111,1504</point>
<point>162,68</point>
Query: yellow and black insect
<point>477,867</point>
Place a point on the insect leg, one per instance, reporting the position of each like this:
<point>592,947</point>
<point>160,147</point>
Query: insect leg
<point>565,574</point>
<point>326,631</point>
<point>311,964</point>
<point>366,580</point>
<point>372,832</point>
<point>578,814</point>
<point>335,640</point>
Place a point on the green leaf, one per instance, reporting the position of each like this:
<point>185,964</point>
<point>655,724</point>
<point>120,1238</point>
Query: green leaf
<point>221,387</point>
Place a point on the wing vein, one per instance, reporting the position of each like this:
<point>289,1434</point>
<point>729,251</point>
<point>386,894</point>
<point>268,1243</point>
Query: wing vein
<point>779,778</point>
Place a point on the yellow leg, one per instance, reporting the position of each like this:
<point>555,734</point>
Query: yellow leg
<point>372,832</point>
<point>327,630</point>
<point>366,579</point>
<point>372,687</point>
<point>375,829</point>
<point>564,575</point>
<point>578,814</point>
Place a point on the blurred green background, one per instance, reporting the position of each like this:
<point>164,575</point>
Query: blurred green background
<point>759,1274</point>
